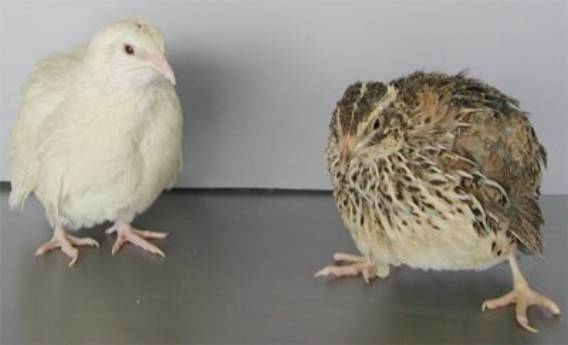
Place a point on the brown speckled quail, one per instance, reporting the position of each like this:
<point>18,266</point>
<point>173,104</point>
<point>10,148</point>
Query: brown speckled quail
<point>437,172</point>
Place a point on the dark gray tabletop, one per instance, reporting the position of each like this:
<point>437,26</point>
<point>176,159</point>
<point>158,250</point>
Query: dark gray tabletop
<point>239,271</point>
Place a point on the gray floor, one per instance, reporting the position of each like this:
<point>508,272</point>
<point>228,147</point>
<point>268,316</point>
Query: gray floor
<point>239,271</point>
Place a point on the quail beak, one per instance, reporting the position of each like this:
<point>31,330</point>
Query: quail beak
<point>160,64</point>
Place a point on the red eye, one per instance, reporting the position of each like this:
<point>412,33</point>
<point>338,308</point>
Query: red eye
<point>128,49</point>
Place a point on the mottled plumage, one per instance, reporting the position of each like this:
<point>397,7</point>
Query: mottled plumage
<point>435,172</point>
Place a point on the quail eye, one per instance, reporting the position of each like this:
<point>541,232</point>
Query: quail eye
<point>376,124</point>
<point>128,49</point>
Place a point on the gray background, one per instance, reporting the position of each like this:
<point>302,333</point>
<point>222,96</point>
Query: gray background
<point>258,79</point>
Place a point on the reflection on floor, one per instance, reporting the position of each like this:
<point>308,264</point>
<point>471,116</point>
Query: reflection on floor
<point>239,269</point>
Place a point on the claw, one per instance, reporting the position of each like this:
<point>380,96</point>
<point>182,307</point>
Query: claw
<point>357,265</point>
<point>66,243</point>
<point>126,233</point>
<point>523,297</point>
<point>347,257</point>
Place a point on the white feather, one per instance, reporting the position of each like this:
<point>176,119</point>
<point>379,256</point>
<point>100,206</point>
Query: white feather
<point>92,143</point>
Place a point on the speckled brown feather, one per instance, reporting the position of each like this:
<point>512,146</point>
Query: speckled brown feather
<point>430,148</point>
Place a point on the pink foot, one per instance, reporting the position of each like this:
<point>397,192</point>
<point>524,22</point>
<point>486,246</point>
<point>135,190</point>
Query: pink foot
<point>357,265</point>
<point>522,297</point>
<point>126,233</point>
<point>66,243</point>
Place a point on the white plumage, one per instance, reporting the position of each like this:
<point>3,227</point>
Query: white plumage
<point>98,137</point>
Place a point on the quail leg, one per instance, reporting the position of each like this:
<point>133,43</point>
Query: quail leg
<point>522,295</point>
<point>66,243</point>
<point>126,233</point>
<point>355,265</point>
